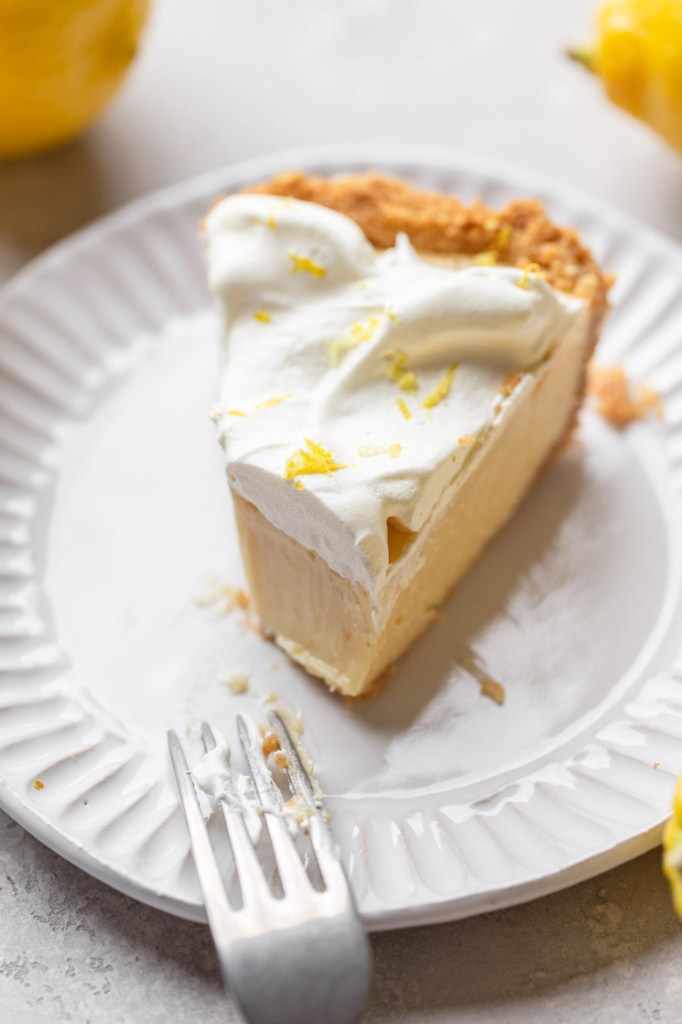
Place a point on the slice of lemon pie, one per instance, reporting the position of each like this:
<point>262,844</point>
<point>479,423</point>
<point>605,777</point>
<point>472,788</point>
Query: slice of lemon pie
<point>397,367</point>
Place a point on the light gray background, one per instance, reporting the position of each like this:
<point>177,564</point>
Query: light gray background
<point>217,82</point>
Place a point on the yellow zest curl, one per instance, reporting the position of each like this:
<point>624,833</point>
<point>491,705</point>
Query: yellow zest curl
<point>530,269</point>
<point>442,388</point>
<point>274,401</point>
<point>301,264</point>
<point>398,372</point>
<point>407,415</point>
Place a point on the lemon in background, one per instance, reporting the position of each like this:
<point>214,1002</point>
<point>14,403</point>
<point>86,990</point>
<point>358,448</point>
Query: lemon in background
<point>672,850</point>
<point>637,53</point>
<point>60,63</point>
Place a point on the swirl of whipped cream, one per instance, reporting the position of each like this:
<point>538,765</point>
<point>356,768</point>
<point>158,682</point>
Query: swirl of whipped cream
<point>356,383</point>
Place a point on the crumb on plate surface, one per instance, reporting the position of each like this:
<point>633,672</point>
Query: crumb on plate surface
<point>617,400</point>
<point>236,682</point>
<point>491,688</point>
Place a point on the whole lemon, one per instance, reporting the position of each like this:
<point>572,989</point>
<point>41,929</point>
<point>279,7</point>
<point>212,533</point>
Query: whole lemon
<point>638,56</point>
<point>60,62</point>
<point>672,850</point>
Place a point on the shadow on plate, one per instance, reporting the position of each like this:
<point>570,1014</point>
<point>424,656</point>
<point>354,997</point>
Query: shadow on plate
<point>483,595</point>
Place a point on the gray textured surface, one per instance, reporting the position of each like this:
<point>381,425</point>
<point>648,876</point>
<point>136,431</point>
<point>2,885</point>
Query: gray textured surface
<point>219,82</point>
<point>72,949</point>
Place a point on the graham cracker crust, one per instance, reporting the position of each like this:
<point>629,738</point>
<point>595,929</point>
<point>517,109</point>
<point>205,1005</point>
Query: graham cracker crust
<point>518,234</point>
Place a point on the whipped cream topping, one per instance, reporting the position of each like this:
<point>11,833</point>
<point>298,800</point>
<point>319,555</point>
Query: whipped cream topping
<point>357,385</point>
<point>214,777</point>
<point>212,774</point>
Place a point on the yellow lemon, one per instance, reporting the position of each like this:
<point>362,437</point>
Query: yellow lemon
<point>60,62</point>
<point>672,850</point>
<point>638,56</point>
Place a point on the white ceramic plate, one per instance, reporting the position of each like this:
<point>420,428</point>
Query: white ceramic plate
<point>113,512</point>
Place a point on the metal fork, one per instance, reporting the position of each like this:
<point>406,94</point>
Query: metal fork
<point>297,958</point>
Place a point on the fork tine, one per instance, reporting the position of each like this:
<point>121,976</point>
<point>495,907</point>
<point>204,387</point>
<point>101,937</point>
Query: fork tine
<point>303,787</point>
<point>268,793</point>
<point>299,778</point>
<point>207,737</point>
<point>252,883</point>
<point>289,865</point>
<point>217,905</point>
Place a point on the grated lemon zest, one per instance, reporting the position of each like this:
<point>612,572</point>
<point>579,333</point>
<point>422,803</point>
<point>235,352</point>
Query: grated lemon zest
<point>408,382</point>
<point>466,441</point>
<point>38,784</point>
<point>407,415</point>
<point>235,412</point>
<point>299,486</point>
<point>302,264</point>
<point>277,400</point>
<point>316,460</point>
<point>442,388</point>
<point>262,316</point>
<point>358,334</point>
<point>398,372</point>
<point>368,450</point>
<point>486,259</point>
<point>531,269</point>
<point>501,239</point>
<point>282,204</point>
